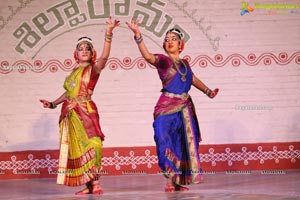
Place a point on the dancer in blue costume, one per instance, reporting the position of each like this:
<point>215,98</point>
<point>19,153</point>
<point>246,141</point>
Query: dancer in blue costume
<point>176,131</point>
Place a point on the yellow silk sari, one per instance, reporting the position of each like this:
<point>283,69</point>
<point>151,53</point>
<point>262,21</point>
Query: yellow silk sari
<point>80,155</point>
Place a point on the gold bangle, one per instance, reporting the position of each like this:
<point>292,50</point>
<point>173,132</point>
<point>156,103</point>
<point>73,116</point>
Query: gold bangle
<point>205,91</point>
<point>108,40</point>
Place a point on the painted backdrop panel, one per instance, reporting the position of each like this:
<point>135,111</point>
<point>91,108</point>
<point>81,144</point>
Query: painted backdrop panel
<point>250,50</point>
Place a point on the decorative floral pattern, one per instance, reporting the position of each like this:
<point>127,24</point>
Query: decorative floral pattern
<point>247,156</point>
<point>118,162</point>
<point>127,63</point>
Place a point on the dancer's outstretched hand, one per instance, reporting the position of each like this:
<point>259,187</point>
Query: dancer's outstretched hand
<point>213,93</point>
<point>112,24</point>
<point>46,104</point>
<point>134,26</point>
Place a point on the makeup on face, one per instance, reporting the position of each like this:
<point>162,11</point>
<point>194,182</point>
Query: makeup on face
<point>171,37</point>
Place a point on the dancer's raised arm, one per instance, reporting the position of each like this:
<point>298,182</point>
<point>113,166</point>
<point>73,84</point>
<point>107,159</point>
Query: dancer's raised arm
<point>134,26</point>
<point>101,61</point>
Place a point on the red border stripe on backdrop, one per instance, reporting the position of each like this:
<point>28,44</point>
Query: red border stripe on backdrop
<point>143,160</point>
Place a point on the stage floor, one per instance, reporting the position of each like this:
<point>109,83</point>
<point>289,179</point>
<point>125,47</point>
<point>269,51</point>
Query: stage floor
<point>219,186</point>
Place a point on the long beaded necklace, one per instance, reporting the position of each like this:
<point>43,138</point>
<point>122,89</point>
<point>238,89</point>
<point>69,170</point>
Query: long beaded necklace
<point>177,66</point>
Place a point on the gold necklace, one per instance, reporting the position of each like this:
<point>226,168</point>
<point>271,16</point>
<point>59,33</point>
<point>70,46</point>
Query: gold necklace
<point>177,66</point>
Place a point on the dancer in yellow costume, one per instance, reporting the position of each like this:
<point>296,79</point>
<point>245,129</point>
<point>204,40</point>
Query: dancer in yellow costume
<point>80,133</point>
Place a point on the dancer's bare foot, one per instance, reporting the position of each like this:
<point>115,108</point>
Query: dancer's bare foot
<point>87,190</point>
<point>96,188</point>
<point>172,187</point>
<point>84,191</point>
<point>169,186</point>
<point>181,188</point>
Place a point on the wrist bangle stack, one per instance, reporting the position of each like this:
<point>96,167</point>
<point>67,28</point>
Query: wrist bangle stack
<point>108,37</point>
<point>52,105</point>
<point>138,40</point>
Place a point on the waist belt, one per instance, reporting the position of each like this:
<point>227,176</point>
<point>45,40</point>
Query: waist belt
<point>79,98</point>
<point>182,96</point>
